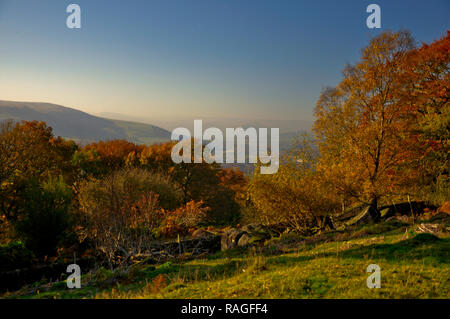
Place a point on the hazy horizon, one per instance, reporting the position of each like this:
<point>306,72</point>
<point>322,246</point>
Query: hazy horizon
<point>170,123</point>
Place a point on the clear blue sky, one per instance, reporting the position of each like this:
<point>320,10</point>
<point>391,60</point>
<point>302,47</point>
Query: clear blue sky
<point>163,58</point>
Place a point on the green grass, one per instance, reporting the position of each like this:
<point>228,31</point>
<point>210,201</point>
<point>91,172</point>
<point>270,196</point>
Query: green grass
<point>412,266</point>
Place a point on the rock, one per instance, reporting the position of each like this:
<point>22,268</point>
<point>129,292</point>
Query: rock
<point>407,208</point>
<point>252,228</point>
<point>362,218</point>
<point>360,214</point>
<point>231,238</point>
<point>349,217</point>
<point>244,240</point>
<point>257,232</point>
<point>247,235</point>
<point>348,214</point>
<point>200,233</point>
<point>386,212</point>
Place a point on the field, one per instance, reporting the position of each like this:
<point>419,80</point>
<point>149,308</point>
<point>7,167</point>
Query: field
<point>330,265</point>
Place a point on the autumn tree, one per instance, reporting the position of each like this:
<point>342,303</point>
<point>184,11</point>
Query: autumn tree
<point>156,157</point>
<point>89,163</point>
<point>234,179</point>
<point>29,150</point>
<point>426,90</point>
<point>198,181</point>
<point>364,126</point>
<point>297,197</point>
<point>115,153</point>
<point>121,211</point>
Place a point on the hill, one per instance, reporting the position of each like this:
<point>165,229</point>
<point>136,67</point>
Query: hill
<point>80,126</point>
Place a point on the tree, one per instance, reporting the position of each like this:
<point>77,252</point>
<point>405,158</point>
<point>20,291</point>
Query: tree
<point>200,182</point>
<point>45,215</point>
<point>297,197</point>
<point>114,154</point>
<point>234,179</point>
<point>427,90</point>
<point>366,140</point>
<point>28,150</point>
<point>122,210</point>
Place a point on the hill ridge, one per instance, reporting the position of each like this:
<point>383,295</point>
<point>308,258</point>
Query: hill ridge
<point>81,126</point>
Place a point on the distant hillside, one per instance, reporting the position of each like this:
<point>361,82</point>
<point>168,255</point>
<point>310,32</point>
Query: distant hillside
<point>285,126</point>
<point>81,126</point>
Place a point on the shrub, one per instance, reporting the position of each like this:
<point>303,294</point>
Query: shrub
<point>123,210</point>
<point>125,187</point>
<point>29,150</point>
<point>14,256</point>
<point>45,215</point>
<point>216,187</point>
<point>437,192</point>
<point>183,219</point>
<point>297,197</point>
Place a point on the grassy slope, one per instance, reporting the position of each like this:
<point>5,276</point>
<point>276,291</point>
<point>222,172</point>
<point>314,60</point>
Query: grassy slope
<point>412,266</point>
<point>143,133</point>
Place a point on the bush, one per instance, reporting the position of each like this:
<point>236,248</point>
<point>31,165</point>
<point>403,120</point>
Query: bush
<point>183,219</point>
<point>297,197</point>
<point>123,188</point>
<point>124,209</point>
<point>438,192</point>
<point>15,256</point>
<point>45,215</point>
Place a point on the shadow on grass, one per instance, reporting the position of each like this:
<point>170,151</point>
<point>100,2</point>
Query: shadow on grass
<point>197,272</point>
<point>421,246</point>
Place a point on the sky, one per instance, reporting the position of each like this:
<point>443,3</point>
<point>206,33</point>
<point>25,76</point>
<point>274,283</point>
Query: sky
<point>255,59</point>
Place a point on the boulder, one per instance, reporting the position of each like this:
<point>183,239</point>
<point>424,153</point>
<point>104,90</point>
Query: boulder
<point>348,217</point>
<point>386,212</point>
<point>406,208</point>
<point>348,214</point>
<point>244,240</point>
<point>254,228</point>
<point>362,218</point>
<point>231,238</point>
<point>200,233</point>
<point>257,232</point>
<point>247,235</point>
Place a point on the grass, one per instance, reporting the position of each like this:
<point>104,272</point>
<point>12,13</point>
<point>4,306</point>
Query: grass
<point>412,266</point>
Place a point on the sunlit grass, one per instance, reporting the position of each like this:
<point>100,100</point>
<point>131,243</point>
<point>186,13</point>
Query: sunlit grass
<point>412,266</point>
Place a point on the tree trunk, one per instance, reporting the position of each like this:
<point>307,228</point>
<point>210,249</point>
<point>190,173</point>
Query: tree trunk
<point>374,209</point>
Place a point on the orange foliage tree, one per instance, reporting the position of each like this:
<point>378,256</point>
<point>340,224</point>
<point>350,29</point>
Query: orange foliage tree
<point>366,133</point>
<point>427,91</point>
<point>297,197</point>
<point>29,150</point>
<point>198,181</point>
<point>114,154</point>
